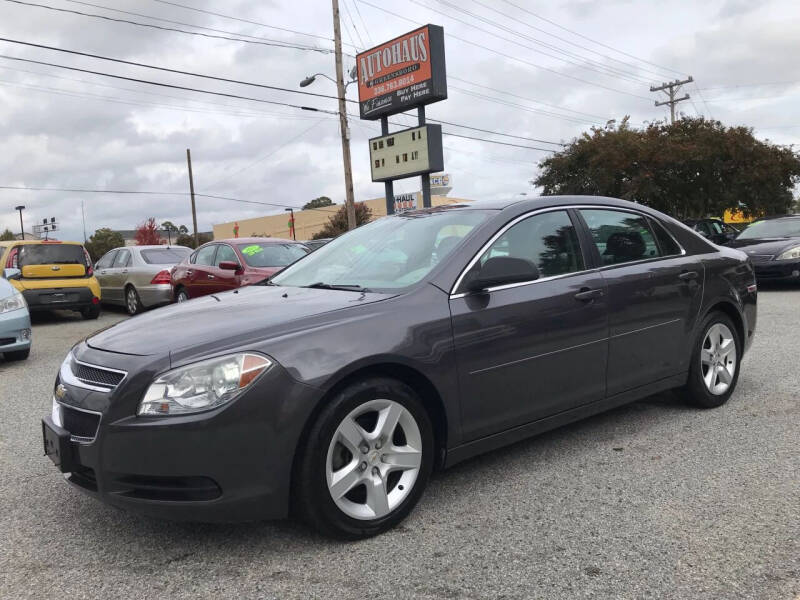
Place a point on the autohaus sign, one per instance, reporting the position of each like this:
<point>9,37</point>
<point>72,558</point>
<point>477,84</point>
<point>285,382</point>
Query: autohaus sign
<point>405,72</point>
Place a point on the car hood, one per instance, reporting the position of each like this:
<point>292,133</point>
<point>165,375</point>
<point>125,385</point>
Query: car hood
<point>764,245</point>
<point>220,321</point>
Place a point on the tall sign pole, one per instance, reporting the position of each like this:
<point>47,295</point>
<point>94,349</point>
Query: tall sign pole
<point>404,73</point>
<point>191,191</point>
<point>343,128</point>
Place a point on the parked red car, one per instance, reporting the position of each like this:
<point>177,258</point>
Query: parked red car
<point>224,265</point>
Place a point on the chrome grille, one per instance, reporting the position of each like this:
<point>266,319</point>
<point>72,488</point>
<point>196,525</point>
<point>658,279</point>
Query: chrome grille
<point>96,376</point>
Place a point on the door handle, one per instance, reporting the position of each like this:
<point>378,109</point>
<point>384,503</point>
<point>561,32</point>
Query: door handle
<point>688,275</point>
<point>585,295</point>
<point>189,271</point>
<point>210,276</point>
<point>125,271</point>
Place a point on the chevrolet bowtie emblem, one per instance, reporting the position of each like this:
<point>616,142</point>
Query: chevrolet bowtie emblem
<point>61,391</point>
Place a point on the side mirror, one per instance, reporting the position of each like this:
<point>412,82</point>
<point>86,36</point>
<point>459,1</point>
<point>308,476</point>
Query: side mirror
<point>229,265</point>
<point>12,273</point>
<point>503,270</point>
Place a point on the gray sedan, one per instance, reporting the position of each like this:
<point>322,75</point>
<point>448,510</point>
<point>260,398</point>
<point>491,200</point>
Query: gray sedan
<point>137,277</point>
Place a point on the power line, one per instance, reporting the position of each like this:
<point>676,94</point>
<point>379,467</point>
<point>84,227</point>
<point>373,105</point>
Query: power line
<point>162,20</point>
<point>565,40</point>
<point>353,24</point>
<point>509,56</point>
<point>363,22</point>
<point>606,70</point>
<point>522,107</point>
<point>173,29</point>
<point>167,85</point>
<point>580,35</point>
<point>167,70</point>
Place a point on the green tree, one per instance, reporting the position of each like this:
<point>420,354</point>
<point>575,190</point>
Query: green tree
<point>102,241</point>
<point>7,236</point>
<point>692,168</point>
<point>795,208</point>
<point>337,223</point>
<point>187,239</point>
<point>318,203</point>
<point>172,228</point>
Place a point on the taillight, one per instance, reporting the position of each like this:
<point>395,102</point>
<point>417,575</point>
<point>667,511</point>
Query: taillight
<point>11,262</point>
<point>162,277</point>
<point>89,268</point>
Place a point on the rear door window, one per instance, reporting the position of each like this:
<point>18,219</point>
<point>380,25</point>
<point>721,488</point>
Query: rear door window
<point>106,261</point>
<point>620,237</point>
<point>123,259</point>
<point>205,256</point>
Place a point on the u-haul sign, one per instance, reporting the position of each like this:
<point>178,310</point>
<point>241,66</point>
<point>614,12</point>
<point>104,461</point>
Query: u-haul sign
<point>404,72</point>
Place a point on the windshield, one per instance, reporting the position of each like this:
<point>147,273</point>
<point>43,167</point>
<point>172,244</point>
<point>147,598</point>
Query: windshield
<point>271,254</point>
<point>389,253</point>
<point>50,254</point>
<point>788,227</point>
<point>165,256</point>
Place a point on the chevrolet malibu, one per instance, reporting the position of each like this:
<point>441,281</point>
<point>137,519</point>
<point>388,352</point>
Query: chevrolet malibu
<point>332,390</point>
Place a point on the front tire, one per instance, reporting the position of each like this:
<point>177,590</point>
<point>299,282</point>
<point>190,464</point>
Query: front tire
<point>368,458</point>
<point>714,371</point>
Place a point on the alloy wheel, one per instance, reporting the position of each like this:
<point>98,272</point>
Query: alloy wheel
<point>718,359</point>
<point>132,301</point>
<point>182,297</point>
<point>374,459</point>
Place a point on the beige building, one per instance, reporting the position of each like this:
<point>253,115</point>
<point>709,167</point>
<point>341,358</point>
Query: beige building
<point>308,222</point>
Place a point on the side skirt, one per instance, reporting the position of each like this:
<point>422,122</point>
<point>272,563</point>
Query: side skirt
<point>511,436</point>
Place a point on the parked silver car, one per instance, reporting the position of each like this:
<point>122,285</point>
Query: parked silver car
<point>15,321</point>
<point>137,277</point>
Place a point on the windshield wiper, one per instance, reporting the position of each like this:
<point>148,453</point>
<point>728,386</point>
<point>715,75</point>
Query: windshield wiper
<point>321,285</point>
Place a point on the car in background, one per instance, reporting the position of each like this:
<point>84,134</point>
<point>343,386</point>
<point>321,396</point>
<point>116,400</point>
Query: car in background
<point>15,320</point>
<point>53,275</point>
<point>316,244</point>
<point>225,265</point>
<point>773,245</point>
<point>138,277</point>
<point>715,230</point>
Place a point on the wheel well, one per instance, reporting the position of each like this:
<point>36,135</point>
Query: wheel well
<point>427,392</point>
<point>728,309</point>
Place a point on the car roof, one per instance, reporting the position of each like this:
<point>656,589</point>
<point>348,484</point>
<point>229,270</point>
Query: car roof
<point>257,240</point>
<point>531,203</point>
<point>155,247</point>
<point>28,242</point>
<point>773,217</point>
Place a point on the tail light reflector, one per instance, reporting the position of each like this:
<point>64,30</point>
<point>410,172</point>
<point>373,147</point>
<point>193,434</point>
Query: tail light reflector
<point>162,277</point>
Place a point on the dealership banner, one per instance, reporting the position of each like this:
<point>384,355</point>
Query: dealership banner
<point>405,72</point>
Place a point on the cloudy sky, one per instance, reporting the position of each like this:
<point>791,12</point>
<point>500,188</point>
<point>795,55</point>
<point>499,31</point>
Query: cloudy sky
<point>538,69</point>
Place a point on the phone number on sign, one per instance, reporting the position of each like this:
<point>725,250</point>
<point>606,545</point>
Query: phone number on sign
<point>392,85</point>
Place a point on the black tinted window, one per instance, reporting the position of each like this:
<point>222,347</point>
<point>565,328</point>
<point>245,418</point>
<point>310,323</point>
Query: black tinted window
<point>669,247</point>
<point>620,236</point>
<point>548,240</point>
<point>50,254</point>
<point>164,256</point>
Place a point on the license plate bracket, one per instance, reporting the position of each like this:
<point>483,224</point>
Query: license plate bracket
<point>57,446</point>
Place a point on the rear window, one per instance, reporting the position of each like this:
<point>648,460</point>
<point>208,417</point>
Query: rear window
<point>50,254</point>
<point>271,255</point>
<point>164,256</point>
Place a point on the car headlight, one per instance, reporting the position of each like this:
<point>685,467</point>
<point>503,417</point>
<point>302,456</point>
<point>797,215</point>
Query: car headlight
<point>203,385</point>
<point>790,254</point>
<point>14,302</point>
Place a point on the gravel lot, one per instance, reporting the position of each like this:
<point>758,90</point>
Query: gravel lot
<point>653,500</point>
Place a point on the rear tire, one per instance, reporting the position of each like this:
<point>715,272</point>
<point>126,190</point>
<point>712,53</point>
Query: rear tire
<point>90,313</point>
<point>367,459</point>
<point>133,303</point>
<point>716,358</point>
<point>181,296</point>
<point>17,355</point>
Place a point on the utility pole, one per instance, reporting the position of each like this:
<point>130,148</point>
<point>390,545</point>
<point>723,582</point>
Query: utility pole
<point>344,129</point>
<point>671,89</point>
<point>21,227</point>
<point>191,191</point>
<point>83,217</point>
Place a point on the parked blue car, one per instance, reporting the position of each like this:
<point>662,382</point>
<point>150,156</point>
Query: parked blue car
<point>15,320</point>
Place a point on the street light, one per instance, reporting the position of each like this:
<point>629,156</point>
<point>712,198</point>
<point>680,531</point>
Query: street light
<point>294,231</point>
<point>21,228</point>
<point>344,129</point>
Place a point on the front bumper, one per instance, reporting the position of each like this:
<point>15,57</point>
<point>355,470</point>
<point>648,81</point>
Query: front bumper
<point>69,298</point>
<point>229,464</point>
<point>15,331</point>
<point>778,270</point>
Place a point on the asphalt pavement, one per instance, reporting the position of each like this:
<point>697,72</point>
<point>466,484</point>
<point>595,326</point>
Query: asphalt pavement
<point>653,500</point>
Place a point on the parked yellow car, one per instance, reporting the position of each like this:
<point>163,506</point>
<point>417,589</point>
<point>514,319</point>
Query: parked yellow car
<point>53,275</point>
